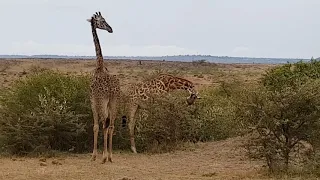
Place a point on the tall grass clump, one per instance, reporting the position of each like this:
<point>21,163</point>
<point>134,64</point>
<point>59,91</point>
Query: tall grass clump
<point>45,111</point>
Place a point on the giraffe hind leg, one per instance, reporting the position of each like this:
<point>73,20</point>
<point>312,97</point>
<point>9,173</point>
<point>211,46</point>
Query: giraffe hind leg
<point>112,117</point>
<point>106,124</point>
<point>124,121</point>
<point>132,111</point>
<point>110,131</point>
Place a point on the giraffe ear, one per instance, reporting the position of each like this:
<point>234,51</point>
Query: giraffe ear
<point>89,20</point>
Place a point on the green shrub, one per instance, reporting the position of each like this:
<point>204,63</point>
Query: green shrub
<point>281,121</point>
<point>282,112</point>
<point>217,108</point>
<point>46,111</point>
<point>291,75</point>
<point>168,121</point>
<point>312,166</point>
<point>51,111</point>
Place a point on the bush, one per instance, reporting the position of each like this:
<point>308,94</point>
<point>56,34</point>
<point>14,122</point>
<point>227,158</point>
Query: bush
<point>168,122</point>
<point>283,112</point>
<point>312,166</point>
<point>282,120</point>
<point>291,75</point>
<point>46,111</point>
<point>51,111</point>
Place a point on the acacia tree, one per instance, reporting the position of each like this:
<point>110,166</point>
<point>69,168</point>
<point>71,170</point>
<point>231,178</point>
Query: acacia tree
<point>283,112</point>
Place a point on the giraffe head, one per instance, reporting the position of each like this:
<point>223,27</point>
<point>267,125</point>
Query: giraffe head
<point>190,87</point>
<point>192,98</point>
<point>173,82</point>
<point>99,22</point>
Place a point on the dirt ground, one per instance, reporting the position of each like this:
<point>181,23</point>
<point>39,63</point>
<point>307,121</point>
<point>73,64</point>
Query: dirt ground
<point>213,160</point>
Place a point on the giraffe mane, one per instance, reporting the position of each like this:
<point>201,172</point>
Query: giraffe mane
<point>175,77</point>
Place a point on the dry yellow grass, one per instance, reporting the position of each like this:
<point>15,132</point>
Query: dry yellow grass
<point>130,70</point>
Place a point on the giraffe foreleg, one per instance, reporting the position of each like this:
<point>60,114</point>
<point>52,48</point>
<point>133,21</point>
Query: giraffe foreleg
<point>95,133</point>
<point>105,139</point>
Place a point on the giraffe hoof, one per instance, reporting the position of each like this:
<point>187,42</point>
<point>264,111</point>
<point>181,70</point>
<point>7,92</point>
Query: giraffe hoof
<point>103,160</point>
<point>134,150</point>
<point>93,158</point>
<point>110,160</point>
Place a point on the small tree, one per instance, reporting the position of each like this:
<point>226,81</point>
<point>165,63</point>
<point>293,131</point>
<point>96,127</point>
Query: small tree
<point>281,120</point>
<point>283,112</point>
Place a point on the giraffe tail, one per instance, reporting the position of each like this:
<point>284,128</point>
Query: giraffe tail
<point>124,121</point>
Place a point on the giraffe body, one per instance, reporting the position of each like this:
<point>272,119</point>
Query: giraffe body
<point>105,92</point>
<point>158,86</point>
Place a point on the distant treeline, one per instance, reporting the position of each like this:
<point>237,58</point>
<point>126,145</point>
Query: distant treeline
<point>184,58</point>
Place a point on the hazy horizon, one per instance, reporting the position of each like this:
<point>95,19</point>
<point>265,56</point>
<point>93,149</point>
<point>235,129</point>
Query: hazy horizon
<point>247,28</point>
<point>137,56</point>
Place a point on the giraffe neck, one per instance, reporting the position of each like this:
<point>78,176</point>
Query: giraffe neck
<point>97,46</point>
<point>175,83</point>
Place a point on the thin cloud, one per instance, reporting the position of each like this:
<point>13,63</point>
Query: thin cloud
<point>241,51</point>
<point>32,48</point>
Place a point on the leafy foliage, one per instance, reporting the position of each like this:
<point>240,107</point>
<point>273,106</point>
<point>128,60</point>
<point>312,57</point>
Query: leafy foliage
<point>51,111</point>
<point>283,112</point>
<point>46,111</point>
<point>167,122</point>
<point>291,75</point>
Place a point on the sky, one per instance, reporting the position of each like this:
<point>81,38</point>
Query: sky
<point>245,28</point>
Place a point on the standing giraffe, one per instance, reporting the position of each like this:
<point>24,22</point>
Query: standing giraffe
<point>160,85</point>
<point>105,91</point>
